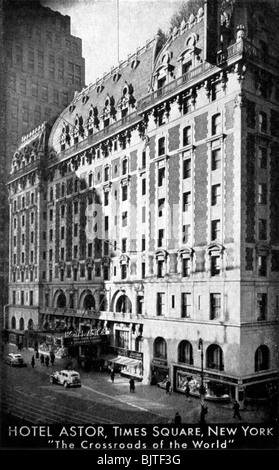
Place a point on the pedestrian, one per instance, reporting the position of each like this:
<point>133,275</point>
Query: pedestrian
<point>236,408</point>
<point>37,354</point>
<point>132,385</point>
<point>42,358</point>
<point>204,411</point>
<point>187,392</point>
<point>177,418</point>
<point>33,361</point>
<point>112,374</point>
<point>47,361</point>
<point>168,386</point>
<point>52,357</point>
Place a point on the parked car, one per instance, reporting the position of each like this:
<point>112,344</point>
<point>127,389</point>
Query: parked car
<point>14,359</point>
<point>67,378</point>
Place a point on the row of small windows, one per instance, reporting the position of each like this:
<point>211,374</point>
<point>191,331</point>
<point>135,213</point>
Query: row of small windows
<point>213,355</point>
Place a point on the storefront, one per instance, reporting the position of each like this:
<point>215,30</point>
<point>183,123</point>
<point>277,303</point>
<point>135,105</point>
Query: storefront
<point>159,371</point>
<point>217,386</point>
<point>87,348</point>
<point>128,363</point>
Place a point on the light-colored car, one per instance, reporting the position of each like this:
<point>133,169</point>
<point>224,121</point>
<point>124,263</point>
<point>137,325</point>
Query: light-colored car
<point>67,378</point>
<point>14,359</point>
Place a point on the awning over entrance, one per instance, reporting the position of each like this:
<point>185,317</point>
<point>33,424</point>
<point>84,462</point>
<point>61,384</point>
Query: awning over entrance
<point>124,361</point>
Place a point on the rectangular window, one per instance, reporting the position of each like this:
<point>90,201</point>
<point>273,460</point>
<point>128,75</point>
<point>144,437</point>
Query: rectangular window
<point>215,194</point>
<point>124,219</point>
<point>161,146</point>
<point>75,230</point>
<point>22,297</point>
<point>143,214</point>
<point>50,255</point>
<point>187,136</point>
<point>62,233</point>
<point>261,306</point>
<point>160,268</point>
<point>262,229</point>
<point>186,201</point>
<point>143,186</point>
<point>262,157</point>
<point>143,245</point>
<point>161,207</point>
<point>215,265</point>
<point>23,221</point>
<point>32,256</point>
<point>185,305</point>
<point>161,117</point>
<point>142,270</point>
<point>90,250</point>
<point>262,193</point>
<point>161,234</point>
<point>106,224</point>
<point>216,124</point>
<point>160,303</point>
<point>161,176</point>
<point>76,207</point>
<point>124,245</point>
<point>143,160</point>
<point>123,271</point>
<point>106,198</point>
<point>262,265</point>
<point>51,235</point>
<point>124,193</point>
<point>262,122</point>
<point>216,159</point>
<point>215,306</point>
<point>186,106</point>
<point>186,231</point>
<point>187,168</point>
<point>31,297</point>
<point>185,267</point>
<point>75,251</point>
<point>215,229</point>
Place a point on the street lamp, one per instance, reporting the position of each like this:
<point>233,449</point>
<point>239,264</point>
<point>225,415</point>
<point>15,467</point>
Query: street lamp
<point>202,387</point>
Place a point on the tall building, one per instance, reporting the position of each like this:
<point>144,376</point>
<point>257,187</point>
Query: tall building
<point>150,211</point>
<point>42,67</point>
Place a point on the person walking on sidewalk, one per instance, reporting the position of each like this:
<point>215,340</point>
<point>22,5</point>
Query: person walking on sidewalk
<point>52,358</point>
<point>112,374</point>
<point>236,408</point>
<point>42,358</point>
<point>47,361</point>
<point>177,418</point>
<point>168,387</point>
<point>132,385</point>
<point>33,361</point>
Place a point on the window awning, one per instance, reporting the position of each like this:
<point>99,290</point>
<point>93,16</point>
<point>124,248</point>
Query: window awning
<point>124,361</point>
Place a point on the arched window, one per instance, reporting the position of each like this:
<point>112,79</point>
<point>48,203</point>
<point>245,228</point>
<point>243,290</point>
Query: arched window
<point>30,324</point>
<point>123,304</point>
<point>214,357</point>
<point>262,358</point>
<point>21,324</point>
<point>13,323</point>
<point>185,352</point>
<point>61,301</point>
<point>160,348</point>
<point>89,302</point>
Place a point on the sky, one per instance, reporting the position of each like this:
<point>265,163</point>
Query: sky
<point>95,22</point>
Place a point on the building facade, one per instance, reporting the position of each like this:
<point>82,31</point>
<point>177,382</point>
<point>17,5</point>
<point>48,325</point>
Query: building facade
<point>155,206</point>
<point>42,68</point>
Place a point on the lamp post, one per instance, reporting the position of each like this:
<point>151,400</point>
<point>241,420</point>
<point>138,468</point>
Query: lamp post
<point>202,387</point>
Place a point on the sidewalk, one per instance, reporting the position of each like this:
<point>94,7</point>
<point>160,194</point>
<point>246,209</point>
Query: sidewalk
<point>161,406</point>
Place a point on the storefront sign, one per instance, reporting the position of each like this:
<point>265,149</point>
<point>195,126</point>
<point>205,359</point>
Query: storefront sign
<point>81,340</point>
<point>208,375</point>
<point>127,353</point>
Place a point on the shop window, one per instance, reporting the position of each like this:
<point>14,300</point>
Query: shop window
<point>262,358</point>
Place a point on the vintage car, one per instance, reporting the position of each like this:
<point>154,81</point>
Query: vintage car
<point>67,378</point>
<point>15,360</point>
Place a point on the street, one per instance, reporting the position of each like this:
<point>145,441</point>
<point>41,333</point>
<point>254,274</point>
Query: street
<point>28,394</point>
